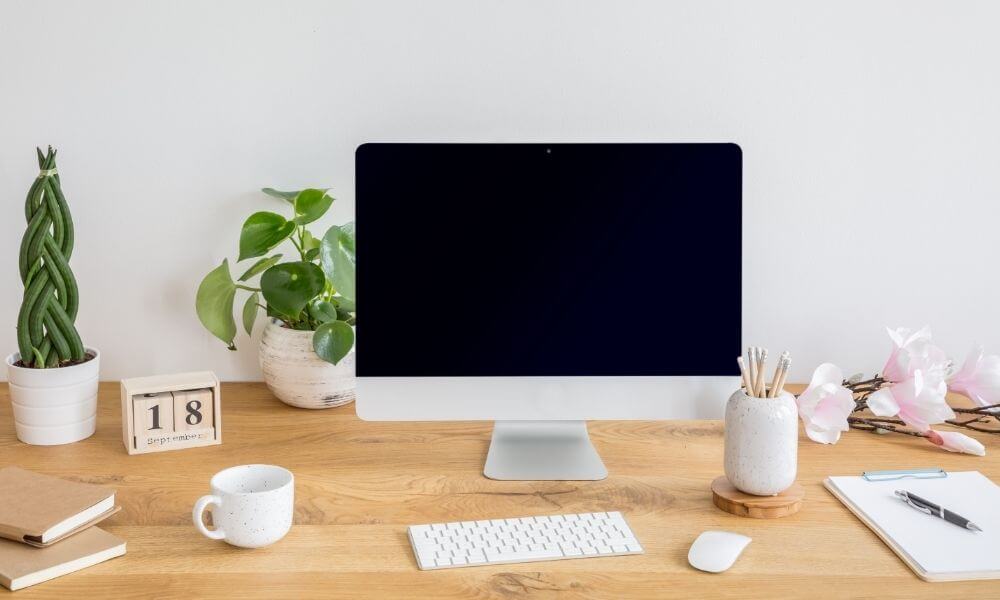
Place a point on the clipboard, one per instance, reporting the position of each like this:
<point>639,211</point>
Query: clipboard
<point>934,549</point>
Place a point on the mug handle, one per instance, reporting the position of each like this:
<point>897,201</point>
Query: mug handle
<point>199,509</point>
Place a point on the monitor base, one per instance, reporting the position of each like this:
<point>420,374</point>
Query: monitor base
<point>543,451</point>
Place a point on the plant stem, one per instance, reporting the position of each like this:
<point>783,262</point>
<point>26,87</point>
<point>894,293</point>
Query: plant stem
<point>969,425</point>
<point>298,247</point>
<point>875,382</point>
<point>980,410</point>
<point>872,424</point>
<point>863,389</point>
<point>240,286</point>
<point>302,242</point>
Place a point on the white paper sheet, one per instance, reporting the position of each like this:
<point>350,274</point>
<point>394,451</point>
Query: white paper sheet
<point>938,547</point>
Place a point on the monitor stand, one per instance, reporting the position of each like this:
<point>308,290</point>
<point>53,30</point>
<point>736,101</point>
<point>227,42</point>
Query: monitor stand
<point>543,450</point>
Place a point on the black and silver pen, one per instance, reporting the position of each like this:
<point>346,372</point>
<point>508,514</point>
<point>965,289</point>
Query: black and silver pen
<point>926,506</point>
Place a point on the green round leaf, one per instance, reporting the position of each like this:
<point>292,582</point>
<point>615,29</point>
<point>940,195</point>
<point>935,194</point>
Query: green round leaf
<point>344,303</point>
<point>250,312</point>
<point>310,205</point>
<point>214,303</point>
<point>332,341</point>
<point>260,266</point>
<point>336,253</point>
<point>308,241</point>
<point>263,231</point>
<point>288,197</point>
<point>288,287</point>
<point>323,311</point>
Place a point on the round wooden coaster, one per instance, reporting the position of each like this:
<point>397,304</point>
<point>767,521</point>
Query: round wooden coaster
<point>733,501</point>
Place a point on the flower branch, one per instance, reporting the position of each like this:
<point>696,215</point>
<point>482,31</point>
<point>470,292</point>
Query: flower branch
<point>875,424</point>
<point>908,397</point>
<point>861,390</point>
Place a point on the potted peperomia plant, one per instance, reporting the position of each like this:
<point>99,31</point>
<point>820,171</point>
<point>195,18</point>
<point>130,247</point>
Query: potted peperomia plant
<point>53,376</point>
<point>306,350</point>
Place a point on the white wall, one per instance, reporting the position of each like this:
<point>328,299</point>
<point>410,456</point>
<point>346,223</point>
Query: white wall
<point>869,131</point>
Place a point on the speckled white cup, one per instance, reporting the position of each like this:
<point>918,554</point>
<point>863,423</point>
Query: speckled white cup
<point>762,443</point>
<point>252,505</point>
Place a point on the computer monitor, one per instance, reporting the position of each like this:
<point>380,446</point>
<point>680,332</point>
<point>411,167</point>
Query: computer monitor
<point>544,285</point>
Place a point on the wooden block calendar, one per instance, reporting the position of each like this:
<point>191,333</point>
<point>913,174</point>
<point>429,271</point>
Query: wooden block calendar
<point>170,412</point>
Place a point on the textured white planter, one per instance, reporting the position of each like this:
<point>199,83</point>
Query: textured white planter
<point>297,376</point>
<point>762,443</point>
<point>54,406</point>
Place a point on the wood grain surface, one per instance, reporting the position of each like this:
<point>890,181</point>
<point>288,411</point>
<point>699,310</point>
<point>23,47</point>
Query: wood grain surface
<point>359,484</point>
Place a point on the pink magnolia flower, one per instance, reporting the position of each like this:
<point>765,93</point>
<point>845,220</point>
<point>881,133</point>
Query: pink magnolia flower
<point>914,351</point>
<point>825,405</point>
<point>916,368</point>
<point>953,441</point>
<point>979,378</point>
<point>919,400</point>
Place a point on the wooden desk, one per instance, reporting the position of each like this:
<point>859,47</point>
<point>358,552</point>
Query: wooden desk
<point>358,485</point>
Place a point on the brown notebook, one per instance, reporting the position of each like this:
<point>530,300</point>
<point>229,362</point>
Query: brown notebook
<point>21,566</point>
<point>40,510</point>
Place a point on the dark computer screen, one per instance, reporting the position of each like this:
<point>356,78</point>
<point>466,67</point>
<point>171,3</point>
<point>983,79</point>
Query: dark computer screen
<point>548,260</point>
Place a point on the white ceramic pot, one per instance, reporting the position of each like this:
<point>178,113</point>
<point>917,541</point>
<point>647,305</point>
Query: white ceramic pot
<point>297,376</point>
<point>762,443</point>
<point>54,406</point>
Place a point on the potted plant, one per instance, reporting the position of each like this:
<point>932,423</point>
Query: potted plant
<point>306,349</point>
<point>53,376</point>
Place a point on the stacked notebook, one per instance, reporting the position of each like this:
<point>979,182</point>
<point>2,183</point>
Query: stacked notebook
<point>49,528</point>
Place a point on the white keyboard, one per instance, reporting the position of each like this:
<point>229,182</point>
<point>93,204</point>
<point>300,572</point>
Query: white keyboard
<point>524,539</point>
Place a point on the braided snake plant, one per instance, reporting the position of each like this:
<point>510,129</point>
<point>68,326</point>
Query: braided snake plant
<point>314,292</point>
<point>46,335</point>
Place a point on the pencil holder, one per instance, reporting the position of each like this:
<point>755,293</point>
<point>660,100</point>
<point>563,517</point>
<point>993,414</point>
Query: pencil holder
<point>762,443</point>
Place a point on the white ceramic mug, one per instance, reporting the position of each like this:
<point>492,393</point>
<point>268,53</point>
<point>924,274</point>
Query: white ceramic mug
<point>252,505</point>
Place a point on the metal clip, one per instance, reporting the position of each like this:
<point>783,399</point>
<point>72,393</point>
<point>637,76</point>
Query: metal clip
<point>904,474</point>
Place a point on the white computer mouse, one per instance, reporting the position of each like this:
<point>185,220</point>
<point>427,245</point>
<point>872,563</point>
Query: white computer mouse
<point>716,551</point>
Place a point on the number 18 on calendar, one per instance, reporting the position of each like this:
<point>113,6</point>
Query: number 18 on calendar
<point>169,412</point>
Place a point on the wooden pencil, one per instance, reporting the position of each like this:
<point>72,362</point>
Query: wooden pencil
<point>784,376</point>
<point>778,370</point>
<point>752,370</point>
<point>761,369</point>
<point>744,374</point>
